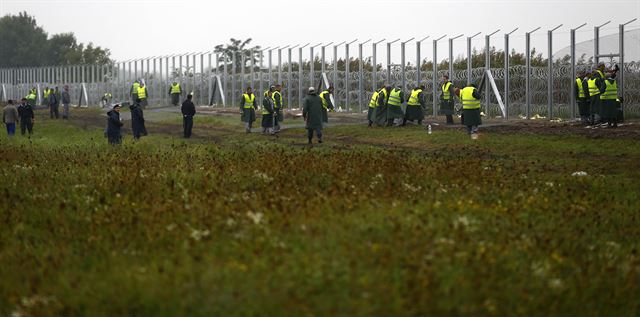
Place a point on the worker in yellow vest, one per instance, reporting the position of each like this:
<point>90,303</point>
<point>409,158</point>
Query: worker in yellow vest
<point>595,84</point>
<point>609,100</point>
<point>415,106</point>
<point>248,107</point>
<point>373,104</point>
<point>45,97</point>
<point>175,91</point>
<point>327,105</point>
<point>32,96</point>
<point>143,95</point>
<point>470,98</point>
<point>447,106</point>
<point>394,105</point>
<point>382,108</point>
<point>106,99</point>
<point>133,92</point>
<point>581,93</point>
<point>278,103</point>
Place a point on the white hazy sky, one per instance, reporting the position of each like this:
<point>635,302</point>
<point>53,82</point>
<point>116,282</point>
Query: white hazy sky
<point>141,28</point>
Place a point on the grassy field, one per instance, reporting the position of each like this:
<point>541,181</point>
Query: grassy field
<point>374,222</point>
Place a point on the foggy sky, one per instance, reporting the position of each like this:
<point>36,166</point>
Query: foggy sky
<point>142,28</point>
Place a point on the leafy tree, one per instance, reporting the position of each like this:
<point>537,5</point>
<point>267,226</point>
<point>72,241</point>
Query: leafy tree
<point>24,43</point>
<point>237,48</point>
<point>27,44</point>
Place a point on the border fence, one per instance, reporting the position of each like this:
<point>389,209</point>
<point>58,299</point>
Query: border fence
<point>217,80</point>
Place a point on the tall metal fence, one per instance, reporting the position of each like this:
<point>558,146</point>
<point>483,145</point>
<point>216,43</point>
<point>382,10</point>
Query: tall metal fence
<point>525,90</point>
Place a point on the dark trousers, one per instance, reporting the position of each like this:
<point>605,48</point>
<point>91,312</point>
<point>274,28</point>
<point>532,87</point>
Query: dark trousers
<point>318,134</point>
<point>26,124</point>
<point>449,119</point>
<point>11,128</point>
<point>53,110</point>
<point>187,123</point>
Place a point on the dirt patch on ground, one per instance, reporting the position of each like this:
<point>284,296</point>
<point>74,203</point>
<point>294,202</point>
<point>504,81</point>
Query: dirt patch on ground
<point>627,130</point>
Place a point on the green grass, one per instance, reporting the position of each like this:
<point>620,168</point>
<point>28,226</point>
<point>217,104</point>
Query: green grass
<point>382,222</point>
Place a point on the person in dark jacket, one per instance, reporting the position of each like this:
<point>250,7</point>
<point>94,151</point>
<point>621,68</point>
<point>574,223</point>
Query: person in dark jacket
<point>114,124</point>
<point>188,111</point>
<point>53,103</point>
<point>65,98</point>
<point>137,120</point>
<point>312,112</point>
<point>268,113</point>
<point>27,118</point>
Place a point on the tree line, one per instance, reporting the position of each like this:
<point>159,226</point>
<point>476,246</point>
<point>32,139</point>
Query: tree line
<point>25,44</point>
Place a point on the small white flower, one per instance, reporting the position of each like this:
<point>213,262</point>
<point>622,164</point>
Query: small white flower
<point>255,217</point>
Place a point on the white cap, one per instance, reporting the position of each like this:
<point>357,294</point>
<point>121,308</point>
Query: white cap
<point>311,89</point>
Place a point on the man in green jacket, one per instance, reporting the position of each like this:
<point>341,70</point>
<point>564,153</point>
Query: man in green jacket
<point>312,110</point>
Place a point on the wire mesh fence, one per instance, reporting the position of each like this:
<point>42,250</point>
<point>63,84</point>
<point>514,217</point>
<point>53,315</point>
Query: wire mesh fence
<point>206,74</point>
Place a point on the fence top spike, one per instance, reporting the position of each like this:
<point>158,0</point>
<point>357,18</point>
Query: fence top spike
<point>581,25</point>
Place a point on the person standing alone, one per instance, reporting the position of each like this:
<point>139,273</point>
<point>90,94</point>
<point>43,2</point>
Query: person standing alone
<point>188,111</point>
<point>66,100</point>
<point>10,117</point>
<point>312,112</point>
<point>27,118</point>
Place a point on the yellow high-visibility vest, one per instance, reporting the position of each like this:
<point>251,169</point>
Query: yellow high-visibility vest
<point>468,101</point>
<point>175,89</point>
<point>249,100</point>
<point>142,92</point>
<point>446,95</point>
<point>580,90</point>
<point>273,96</point>
<point>593,88</point>
<point>374,99</point>
<point>394,97</point>
<point>136,85</point>
<point>413,99</point>
<point>325,104</point>
<point>611,91</point>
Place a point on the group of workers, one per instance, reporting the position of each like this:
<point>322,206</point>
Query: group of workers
<point>597,96</point>
<point>51,98</point>
<point>273,108</point>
